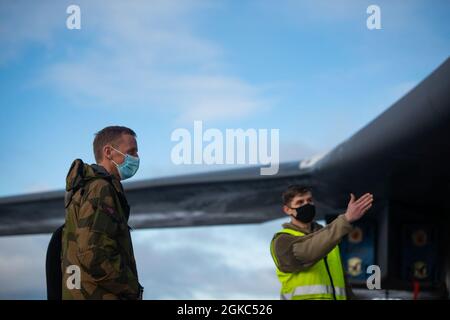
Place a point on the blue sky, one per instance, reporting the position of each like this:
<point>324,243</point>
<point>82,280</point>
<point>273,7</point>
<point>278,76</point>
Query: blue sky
<point>309,68</point>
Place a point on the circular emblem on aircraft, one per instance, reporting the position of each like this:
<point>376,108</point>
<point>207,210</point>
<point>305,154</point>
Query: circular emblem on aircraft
<point>420,270</point>
<point>419,238</point>
<point>354,266</point>
<point>356,235</point>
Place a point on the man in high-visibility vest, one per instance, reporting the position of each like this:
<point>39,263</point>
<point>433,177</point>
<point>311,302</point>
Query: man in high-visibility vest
<point>306,255</point>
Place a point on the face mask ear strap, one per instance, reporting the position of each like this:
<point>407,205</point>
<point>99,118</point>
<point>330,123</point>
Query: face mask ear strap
<point>114,162</point>
<point>117,165</point>
<point>118,151</point>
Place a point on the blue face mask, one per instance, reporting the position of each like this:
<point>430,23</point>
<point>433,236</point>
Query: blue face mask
<point>128,167</point>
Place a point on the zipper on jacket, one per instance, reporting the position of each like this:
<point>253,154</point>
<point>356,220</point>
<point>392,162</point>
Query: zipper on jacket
<point>329,275</point>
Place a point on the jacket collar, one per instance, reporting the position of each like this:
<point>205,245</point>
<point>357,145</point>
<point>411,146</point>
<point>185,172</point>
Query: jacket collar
<point>101,171</point>
<point>314,226</point>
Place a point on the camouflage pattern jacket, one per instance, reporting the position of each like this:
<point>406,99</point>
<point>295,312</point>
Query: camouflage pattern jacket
<point>96,241</point>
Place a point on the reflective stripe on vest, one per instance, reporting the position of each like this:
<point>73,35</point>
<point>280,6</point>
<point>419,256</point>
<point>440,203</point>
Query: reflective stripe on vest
<point>314,290</point>
<point>313,282</point>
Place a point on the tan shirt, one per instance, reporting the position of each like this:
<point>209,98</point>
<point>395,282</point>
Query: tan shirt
<point>295,254</point>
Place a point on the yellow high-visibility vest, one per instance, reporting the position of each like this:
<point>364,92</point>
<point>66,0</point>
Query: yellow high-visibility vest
<point>322,281</point>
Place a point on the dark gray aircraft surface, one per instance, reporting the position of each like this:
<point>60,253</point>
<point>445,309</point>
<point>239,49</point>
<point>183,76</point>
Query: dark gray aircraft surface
<point>402,157</point>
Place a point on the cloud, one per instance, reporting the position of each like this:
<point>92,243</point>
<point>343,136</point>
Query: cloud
<point>316,11</point>
<point>38,187</point>
<point>220,262</point>
<point>220,97</point>
<point>22,267</point>
<point>294,151</point>
<point>394,14</point>
<point>21,27</point>
<point>143,55</point>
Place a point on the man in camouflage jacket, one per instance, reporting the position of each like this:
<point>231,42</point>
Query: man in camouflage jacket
<point>97,253</point>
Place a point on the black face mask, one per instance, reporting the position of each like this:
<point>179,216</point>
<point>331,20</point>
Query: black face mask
<point>306,213</point>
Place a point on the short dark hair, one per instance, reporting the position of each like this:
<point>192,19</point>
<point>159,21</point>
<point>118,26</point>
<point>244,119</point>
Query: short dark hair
<point>292,191</point>
<point>108,135</point>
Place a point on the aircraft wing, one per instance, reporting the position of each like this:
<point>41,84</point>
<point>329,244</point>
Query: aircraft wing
<point>403,154</point>
<point>213,198</point>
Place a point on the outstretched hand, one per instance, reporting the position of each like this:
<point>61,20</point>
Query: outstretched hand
<point>357,208</point>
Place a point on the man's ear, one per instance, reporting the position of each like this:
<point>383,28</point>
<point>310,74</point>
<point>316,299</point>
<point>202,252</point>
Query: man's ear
<point>286,210</point>
<point>107,152</point>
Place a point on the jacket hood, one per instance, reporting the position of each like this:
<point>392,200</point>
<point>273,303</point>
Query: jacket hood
<point>80,173</point>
